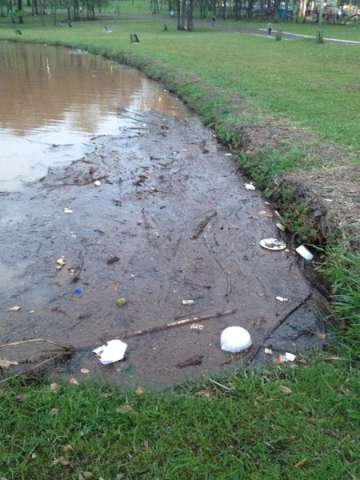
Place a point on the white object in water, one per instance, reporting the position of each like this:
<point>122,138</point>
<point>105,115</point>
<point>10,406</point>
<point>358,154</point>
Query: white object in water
<point>113,351</point>
<point>68,210</point>
<point>235,339</point>
<point>272,244</point>
<point>188,302</point>
<point>97,183</point>
<point>305,253</point>
<point>281,299</point>
<point>249,186</point>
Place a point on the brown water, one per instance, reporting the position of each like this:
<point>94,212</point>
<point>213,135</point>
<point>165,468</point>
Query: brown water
<point>53,100</point>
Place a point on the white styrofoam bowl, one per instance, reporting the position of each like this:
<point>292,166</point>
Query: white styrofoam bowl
<point>235,339</point>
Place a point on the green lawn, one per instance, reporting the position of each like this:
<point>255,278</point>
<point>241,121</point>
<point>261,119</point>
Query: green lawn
<point>316,86</point>
<point>300,423</point>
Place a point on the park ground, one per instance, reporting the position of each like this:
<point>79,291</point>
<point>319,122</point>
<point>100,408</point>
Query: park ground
<point>290,111</point>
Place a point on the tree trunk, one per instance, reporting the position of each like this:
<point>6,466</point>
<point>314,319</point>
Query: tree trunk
<point>190,15</point>
<point>19,8</point>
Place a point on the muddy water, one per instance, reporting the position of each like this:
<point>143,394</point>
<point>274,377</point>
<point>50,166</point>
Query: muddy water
<point>169,220</point>
<point>53,100</point>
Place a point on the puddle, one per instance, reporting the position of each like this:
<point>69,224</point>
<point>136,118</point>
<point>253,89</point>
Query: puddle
<point>54,99</point>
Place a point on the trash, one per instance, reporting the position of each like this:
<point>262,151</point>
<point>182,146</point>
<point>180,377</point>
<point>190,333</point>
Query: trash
<point>7,363</point>
<point>265,214</point>
<point>272,244</point>
<point>120,302</point>
<point>228,154</point>
<point>67,210</point>
<point>78,292</point>
<point>305,253</point>
<point>285,390</point>
<point>188,302</point>
<point>140,391</point>
<point>302,462</point>
<point>280,226</point>
<point>84,371</point>
<point>60,263</point>
<point>125,408</point>
<point>112,260</point>
<point>287,357</point>
<point>54,387</point>
<point>196,326</point>
<point>73,381</point>
<point>235,339</point>
<point>113,351</point>
<point>16,308</point>
<point>53,412</point>
<point>97,183</point>
<point>268,351</point>
<point>249,186</point>
<point>282,299</point>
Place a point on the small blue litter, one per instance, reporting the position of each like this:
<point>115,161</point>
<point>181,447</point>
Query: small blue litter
<point>77,292</point>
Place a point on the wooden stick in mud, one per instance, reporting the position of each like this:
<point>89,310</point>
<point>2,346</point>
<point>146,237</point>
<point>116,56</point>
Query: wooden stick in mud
<point>179,323</point>
<point>36,340</point>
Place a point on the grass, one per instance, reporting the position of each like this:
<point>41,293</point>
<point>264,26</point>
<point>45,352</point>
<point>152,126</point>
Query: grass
<point>299,423</point>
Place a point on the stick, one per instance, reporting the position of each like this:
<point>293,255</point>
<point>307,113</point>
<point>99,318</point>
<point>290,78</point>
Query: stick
<point>229,389</point>
<point>179,323</point>
<point>36,340</point>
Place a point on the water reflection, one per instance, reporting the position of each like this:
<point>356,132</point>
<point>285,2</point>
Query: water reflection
<point>57,96</point>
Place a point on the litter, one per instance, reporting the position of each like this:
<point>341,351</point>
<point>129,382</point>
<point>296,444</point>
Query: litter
<point>235,339</point>
<point>287,357</point>
<point>188,302</point>
<point>60,263</point>
<point>7,363</point>
<point>120,302</point>
<point>112,260</point>
<point>228,154</point>
<point>16,308</point>
<point>113,351</point>
<point>280,226</point>
<point>196,326</point>
<point>249,186</point>
<point>78,292</point>
<point>282,299</point>
<point>73,381</point>
<point>84,371</point>
<point>68,210</point>
<point>97,183</point>
<point>273,244</point>
<point>268,351</point>
<point>305,253</point>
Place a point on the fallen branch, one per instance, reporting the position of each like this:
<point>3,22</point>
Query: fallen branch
<point>179,323</point>
<point>203,224</point>
<point>37,340</point>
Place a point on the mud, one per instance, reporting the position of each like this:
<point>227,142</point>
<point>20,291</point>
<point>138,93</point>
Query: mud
<point>171,221</point>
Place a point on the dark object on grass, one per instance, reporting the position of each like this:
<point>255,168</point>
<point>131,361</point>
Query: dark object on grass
<point>269,28</point>
<point>278,36</point>
<point>134,38</point>
<point>165,29</point>
<point>18,32</point>
<point>69,24</point>
<point>319,38</point>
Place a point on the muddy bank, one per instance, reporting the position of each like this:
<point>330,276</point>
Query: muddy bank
<point>170,220</point>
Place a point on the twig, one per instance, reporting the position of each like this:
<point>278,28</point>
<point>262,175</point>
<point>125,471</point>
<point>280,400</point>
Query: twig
<point>228,389</point>
<point>179,323</point>
<point>36,340</point>
<point>203,224</point>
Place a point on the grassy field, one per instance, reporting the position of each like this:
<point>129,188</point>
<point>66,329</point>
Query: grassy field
<point>300,423</point>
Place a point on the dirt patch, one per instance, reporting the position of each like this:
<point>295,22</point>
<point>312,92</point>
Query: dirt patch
<point>159,216</point>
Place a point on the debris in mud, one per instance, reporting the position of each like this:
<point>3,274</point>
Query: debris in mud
<point>78,292</point>
<point>273,244</point>
<point>305,253</point>
<point>268,351</point>
<point>113,351</point>
<point>280,226</point>
<point>121,302</point>
<point>60,263</point>
<point>188,302</point>
<point>73,381</point>
<point>7,363</point>
<point>249,186</point>
<point>191,362</point>
<point>287,357</point>
<point>68,211</point>
<point>112,260</point>
<point>97,183</point>
<point>235,339</point>
<point>281,299</point>
<point>203,224</point>
<point>16,308</point>
<point>197,326</point>
<point>141,179</point>
<point>84,371</point>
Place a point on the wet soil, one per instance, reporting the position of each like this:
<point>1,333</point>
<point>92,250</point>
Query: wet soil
<point>170,221</point>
